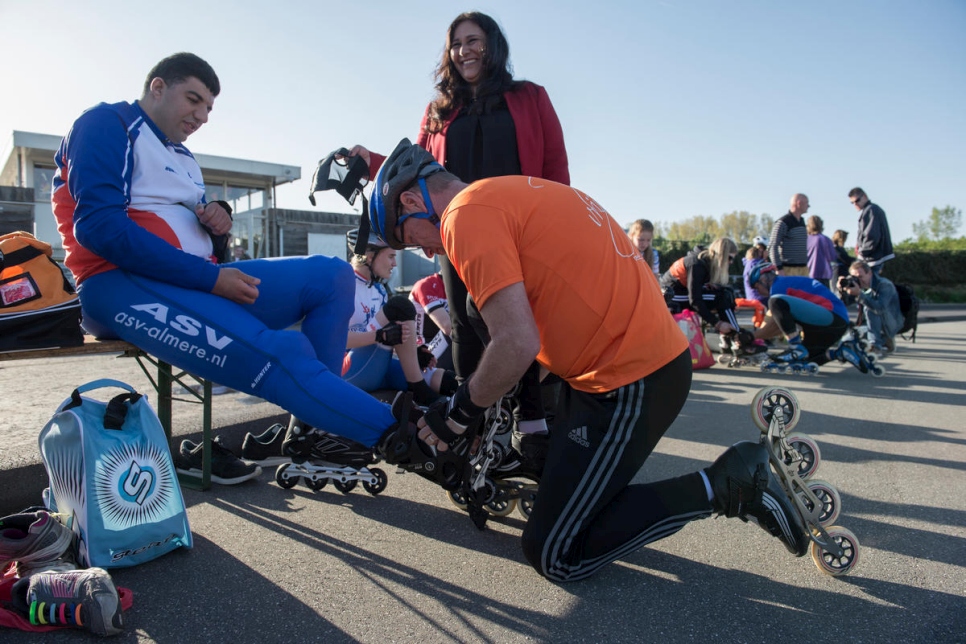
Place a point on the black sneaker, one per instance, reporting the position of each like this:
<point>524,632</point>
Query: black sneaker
<point>266,448</point>
<point>745,487</point>
<point>226,468</point>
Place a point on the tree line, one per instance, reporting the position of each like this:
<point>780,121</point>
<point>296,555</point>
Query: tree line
<point>935,232</point>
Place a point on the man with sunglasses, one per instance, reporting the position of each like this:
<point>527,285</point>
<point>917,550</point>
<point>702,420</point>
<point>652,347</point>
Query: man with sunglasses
<point>873,244</point>
<point>555,279</point>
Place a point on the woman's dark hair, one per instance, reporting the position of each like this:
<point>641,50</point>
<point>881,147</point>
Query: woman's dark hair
<point>452,91</point>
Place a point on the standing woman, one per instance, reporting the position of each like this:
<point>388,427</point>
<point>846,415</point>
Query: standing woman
<point>483,124</point>
<point>821,252</point>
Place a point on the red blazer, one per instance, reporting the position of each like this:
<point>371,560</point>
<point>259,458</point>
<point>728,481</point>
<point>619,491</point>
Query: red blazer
<point>540,143</point>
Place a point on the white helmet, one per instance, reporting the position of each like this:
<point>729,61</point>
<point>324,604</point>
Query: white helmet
<point>759,241</point>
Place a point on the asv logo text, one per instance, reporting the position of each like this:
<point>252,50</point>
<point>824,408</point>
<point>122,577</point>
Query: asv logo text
<point>181,323</point>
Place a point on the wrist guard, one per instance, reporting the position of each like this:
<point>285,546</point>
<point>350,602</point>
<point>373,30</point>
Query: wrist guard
<point>389,335</point>
<point>460,409</point>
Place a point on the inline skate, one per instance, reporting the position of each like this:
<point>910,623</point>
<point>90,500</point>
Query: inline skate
<point>476,471</point>
<point>855,348</point>
<point>795,457</point>
<point>318,457</point>
<point>793,360</point>
<point>504,480</point>
<point>740,348</point>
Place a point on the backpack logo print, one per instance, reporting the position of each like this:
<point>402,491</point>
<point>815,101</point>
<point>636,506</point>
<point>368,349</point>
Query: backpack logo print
<point>579,436</point>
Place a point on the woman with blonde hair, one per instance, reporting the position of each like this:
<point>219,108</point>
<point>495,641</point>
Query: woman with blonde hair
<point>641,234</point>
<point>382,325</point>
<point>699,282</point>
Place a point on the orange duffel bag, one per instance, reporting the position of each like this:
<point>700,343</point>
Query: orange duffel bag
<point>39,307</point>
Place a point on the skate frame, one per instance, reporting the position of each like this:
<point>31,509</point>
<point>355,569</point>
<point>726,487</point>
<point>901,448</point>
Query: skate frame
<point>778,447</point>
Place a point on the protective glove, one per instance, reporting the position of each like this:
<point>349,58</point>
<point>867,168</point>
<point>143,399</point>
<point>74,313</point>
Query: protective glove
<point>389,335</point>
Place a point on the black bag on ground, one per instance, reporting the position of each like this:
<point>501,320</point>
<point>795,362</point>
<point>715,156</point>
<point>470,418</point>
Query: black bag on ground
<point>909,306</point>
<point>38,305</point>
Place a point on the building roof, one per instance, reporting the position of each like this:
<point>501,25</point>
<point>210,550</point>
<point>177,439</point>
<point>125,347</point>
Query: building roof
<point>215,168</point>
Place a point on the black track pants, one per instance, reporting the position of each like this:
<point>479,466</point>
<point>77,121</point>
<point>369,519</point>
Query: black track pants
<point>585,514</point>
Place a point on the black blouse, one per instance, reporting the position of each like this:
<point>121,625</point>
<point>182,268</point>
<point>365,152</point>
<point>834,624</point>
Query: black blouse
<point>482,141</point>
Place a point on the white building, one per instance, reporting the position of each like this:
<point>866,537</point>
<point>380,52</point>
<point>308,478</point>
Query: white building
<point>261,229</point>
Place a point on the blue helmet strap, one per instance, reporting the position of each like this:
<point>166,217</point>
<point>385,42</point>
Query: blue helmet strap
<point>430,215</point>
<point>429,203</point>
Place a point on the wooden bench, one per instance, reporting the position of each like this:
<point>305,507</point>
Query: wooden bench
<point>163,383</point>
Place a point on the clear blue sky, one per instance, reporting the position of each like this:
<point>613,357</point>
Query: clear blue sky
<point>670,109</point>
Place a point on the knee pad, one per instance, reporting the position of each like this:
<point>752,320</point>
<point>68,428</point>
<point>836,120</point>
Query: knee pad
<point>399,309</point>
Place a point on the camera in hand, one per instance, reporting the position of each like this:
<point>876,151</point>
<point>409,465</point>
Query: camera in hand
<point>848,282</point>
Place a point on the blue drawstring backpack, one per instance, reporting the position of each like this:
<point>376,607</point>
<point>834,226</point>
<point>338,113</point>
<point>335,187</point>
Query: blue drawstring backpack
<point>112,477</point>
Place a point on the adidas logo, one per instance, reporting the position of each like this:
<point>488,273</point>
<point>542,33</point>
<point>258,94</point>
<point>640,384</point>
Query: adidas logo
<point>579,436</point>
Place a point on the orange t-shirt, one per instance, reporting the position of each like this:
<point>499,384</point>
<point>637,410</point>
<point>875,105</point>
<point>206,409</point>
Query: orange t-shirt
<point>602,319</point>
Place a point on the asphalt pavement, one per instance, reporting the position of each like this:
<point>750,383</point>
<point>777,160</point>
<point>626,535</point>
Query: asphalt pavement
<point>276,565</point>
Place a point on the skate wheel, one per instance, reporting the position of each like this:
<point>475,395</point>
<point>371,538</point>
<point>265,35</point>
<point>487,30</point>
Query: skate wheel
<point>315,485</point>
<point>837,566</point>
<point>809,451</point>
<point>811,369</point>
<point>501,507</point>
<point>877,371</point>
<point>345,486</point>
<point>829,497</point>
<point>525,503</point>
<point>283,479</point>
<point>381,481</point>
<point>457,499</point>
<point>769,399</point>
<point>723,358</point>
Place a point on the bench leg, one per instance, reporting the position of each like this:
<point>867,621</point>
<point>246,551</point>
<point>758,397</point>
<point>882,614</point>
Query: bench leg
<point>164,384</point>
<point>206,437</point>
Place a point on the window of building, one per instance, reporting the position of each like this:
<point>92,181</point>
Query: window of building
<point>43,182</point>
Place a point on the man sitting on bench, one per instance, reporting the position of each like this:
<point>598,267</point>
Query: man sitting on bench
<point>141,239</point>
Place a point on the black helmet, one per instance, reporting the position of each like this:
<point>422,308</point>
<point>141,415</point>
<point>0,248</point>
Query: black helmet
<point>352,237</point>
<point>407,164</point>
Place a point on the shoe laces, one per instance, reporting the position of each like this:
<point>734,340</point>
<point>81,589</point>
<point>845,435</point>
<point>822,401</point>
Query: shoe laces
<point>218,448</point>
